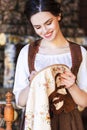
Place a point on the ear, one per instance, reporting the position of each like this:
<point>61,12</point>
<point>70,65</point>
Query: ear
<point>59,17</point>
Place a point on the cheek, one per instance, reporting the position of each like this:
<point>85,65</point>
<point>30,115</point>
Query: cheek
<point>56,26</point>
<point>38,31</point>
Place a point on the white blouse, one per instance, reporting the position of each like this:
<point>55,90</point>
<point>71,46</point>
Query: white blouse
<point>41,61</point>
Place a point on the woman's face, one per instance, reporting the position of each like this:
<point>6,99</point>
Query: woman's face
<point>46,25</point>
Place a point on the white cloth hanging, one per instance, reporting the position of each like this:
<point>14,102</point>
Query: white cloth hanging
<point>37,116</point>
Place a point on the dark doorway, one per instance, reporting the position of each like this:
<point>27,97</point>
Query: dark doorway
<point>83,15</point>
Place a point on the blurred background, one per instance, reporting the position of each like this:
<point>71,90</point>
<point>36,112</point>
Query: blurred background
<point>15,32</point>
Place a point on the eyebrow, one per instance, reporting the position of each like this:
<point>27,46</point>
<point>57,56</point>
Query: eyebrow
<point>44,22</point>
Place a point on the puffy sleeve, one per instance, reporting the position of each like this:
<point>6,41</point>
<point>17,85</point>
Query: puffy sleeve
<point>22,73</point>
<point>82,73</point>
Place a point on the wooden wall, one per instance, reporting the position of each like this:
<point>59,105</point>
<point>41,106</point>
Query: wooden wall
<point>83,15</point>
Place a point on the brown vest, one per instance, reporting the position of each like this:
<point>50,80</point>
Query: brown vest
<point>76,56</point>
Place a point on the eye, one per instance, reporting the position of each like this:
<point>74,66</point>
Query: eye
<point>37,27</point>
<point>49,22</point>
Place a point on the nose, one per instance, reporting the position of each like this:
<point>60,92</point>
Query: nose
<point>44,29</point>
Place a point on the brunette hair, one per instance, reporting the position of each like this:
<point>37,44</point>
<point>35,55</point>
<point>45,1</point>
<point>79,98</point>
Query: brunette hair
<point>34,6</point>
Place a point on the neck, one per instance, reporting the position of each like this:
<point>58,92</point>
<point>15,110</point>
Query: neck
<point>58,42</point>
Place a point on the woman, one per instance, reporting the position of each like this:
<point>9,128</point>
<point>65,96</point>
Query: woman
<point>45,16</point>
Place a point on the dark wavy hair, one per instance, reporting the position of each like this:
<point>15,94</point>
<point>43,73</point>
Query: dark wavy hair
<point>34,6</point>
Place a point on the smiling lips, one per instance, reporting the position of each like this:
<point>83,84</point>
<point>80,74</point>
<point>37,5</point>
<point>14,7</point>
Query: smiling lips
<point>47,35</point>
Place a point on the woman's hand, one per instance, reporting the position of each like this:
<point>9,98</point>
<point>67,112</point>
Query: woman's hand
<point>68,79</point>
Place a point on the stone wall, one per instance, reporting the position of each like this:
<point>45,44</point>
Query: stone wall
<point>70,23</point>
<point>12,20</point>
